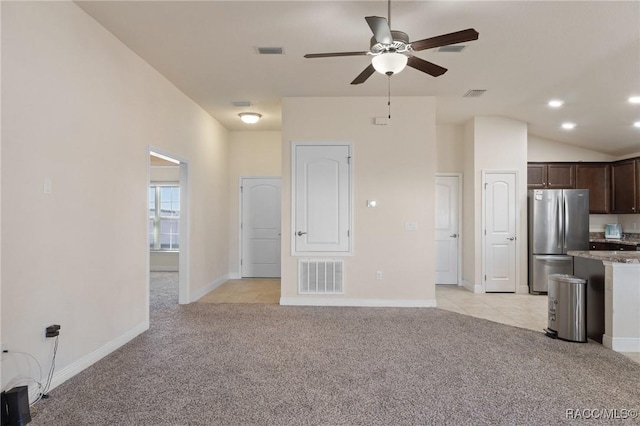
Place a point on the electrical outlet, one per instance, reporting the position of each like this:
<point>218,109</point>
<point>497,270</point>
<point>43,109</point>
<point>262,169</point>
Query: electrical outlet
<point>410,226</point>
<point>378,275</point>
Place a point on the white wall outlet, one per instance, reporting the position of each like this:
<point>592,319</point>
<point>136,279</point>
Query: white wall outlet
<point>410,226</point>
<point>378,275</point>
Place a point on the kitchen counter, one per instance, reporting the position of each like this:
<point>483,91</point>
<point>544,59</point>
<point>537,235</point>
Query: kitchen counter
<point>608,256</point>
<point>627,238</point>
<point>621,297</point>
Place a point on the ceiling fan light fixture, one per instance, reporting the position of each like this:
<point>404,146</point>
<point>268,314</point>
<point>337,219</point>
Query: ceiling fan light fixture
<point>249,117</point>
<point>389,63</point>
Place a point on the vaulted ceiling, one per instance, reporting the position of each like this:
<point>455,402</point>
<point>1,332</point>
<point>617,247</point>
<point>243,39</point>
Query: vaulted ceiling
<point>585,53</point>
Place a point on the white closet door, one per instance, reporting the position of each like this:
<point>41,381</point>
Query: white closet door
<point>322,212</point>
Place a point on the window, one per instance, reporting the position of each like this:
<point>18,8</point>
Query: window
<point>164,217</point>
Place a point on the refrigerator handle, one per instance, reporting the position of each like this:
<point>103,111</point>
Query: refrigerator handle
<point>566,215</point>
<point>560,221</point>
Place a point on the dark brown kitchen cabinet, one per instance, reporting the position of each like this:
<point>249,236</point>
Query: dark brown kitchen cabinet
<point>625,181</point>
<point>596,177</point>
<point>551,176</point>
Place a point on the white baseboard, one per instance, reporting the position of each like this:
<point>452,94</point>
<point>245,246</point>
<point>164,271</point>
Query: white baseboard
<point>234,276</point>
<point>523,289</point>
<point>88,360</point>
<point>206,289</point>
<point>477,288</point>
<point>388,303</point>
<point>621,344</point>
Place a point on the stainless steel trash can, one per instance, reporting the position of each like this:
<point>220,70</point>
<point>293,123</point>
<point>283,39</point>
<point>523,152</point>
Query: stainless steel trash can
<point>567,308</point>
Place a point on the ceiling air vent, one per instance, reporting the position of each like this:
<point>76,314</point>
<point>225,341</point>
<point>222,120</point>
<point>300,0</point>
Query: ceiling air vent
<point>241,104</point>
<point>452,49</point>
<point>474,93</point>
<point>270,50</point>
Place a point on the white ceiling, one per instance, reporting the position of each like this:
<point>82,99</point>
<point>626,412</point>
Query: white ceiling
<point>586,53</point>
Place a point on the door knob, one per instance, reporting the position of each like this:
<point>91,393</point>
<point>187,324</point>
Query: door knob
<point>454,235</point>
<point>300,233</point>
<point>511,238</point>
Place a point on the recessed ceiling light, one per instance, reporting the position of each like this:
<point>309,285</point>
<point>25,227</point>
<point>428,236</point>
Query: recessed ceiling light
<point>568,126</point>
<point>637,124</point>
<point>555,103</point>
<point>634,99</point>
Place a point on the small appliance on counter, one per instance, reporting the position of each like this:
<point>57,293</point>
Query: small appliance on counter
<point>613,231</point>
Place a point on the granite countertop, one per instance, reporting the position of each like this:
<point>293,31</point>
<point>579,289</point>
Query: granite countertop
<point>608,256</point>
<point>627,238</point>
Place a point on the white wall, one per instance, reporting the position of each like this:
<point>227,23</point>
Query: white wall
<point>540,149</point>
<point>250,154</point>
<point>393,164</point>
<point>499,144</point>
<point>450,148</point>
<point>80,109</point>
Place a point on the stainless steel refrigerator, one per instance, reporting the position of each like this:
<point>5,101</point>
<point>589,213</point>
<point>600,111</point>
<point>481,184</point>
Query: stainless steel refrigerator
<point>558,222</point>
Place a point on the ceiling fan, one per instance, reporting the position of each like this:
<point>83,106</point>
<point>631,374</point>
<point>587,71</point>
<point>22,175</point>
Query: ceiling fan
<point>392,50</point>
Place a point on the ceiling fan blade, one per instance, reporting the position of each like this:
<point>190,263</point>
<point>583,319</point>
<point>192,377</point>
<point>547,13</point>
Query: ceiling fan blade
<point>364,75</point>
<point>445,39</point>
<point>330,55</point>
<point>426,66</point>
<point>380,28</point>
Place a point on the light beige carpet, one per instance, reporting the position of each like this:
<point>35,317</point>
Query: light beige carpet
<point>248,290</point>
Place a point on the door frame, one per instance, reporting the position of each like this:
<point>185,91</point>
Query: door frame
<point>183,255</point>
<point>459,220</point>
<point>240,212</point>
<point>484,226</point>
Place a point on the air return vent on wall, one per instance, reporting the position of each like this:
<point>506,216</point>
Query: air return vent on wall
<point>474,93</point>
<point>320,276</point>
<point>270,50</point>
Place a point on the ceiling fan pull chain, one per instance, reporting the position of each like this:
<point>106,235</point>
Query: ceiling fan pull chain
<point>389,96</point>
<point>389,13</point>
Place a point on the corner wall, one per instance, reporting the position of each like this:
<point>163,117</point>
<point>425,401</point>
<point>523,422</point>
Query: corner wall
<point>393,164</point>
<point>80,110</point>
<point>250,154</point>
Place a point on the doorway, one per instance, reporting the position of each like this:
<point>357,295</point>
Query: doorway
<point>167,224</point>
<point>500,200</point>
<point>447,228</point>
<point>260,227</point>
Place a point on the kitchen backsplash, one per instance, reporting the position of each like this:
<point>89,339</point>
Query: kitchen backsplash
<point>630,222</point>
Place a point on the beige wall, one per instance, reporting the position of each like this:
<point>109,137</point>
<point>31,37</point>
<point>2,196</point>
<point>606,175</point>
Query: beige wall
<point>250,154</point>
<point>393,164</point>
<point>540,149</point>
<point>484,137</point>
<point>450,148</point>
<point>80,109</point>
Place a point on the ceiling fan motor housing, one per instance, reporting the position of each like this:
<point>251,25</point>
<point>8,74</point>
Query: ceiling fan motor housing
<point>400,44</point>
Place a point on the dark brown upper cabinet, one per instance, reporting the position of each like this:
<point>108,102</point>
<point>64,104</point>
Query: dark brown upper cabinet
<point>551,176</point>
<point>625,181</point>
<point>596,177</point>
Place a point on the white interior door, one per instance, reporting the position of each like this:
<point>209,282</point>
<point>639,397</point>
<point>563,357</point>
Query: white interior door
<point>447,232</point>
<point>322,204</point>
<point>500,232</point>
<point>260,227</point>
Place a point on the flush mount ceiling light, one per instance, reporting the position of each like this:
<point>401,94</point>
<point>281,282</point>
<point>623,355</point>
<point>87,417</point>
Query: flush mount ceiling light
<point>555,103</point>
<point>634,99</point>
<point>249,117</point>
<point>389,63</point>
<point>568,126</point>
<point>636,124</point>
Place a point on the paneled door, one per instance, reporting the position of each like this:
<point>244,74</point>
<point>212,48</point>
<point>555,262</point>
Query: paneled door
<point>260,227</point>
<point>322,198</point>
<point>500,231</point>
<point>447,232</point>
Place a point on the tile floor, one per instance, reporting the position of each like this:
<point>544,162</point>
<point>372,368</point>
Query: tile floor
<point>519,310</point>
